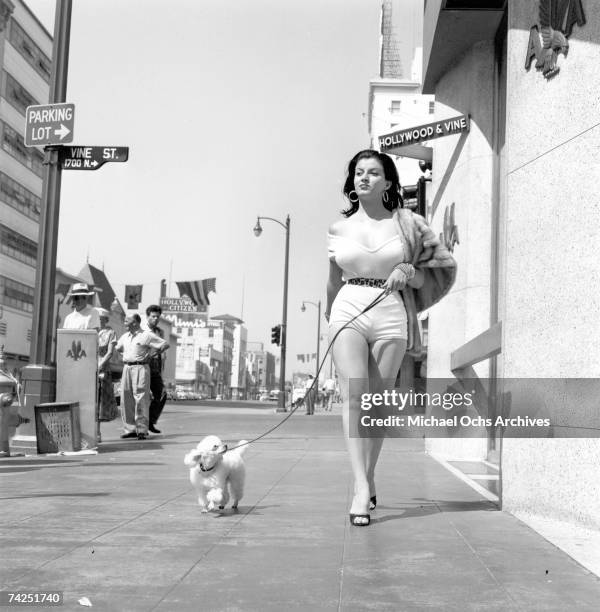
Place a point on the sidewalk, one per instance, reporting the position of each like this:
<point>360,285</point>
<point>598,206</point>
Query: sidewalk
<point>123,529</point>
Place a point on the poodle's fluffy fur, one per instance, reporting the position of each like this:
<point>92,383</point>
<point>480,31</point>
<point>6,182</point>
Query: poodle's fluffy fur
<point>216,474</point>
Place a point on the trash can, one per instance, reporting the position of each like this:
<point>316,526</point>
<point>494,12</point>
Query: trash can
<point>57,427</point>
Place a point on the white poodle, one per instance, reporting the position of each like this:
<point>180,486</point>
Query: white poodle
<point>216,473</point>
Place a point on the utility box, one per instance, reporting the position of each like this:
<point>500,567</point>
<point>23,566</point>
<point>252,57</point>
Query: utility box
<point>77,377</point>
<point>57,427</point>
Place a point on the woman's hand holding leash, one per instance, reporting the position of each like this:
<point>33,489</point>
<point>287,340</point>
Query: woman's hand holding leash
<point>400,276</point>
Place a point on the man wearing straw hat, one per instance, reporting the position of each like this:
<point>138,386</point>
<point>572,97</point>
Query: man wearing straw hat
<point>84,316</point>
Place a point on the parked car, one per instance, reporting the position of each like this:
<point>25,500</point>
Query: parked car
<point>219,397</point>
<point>264,397</point>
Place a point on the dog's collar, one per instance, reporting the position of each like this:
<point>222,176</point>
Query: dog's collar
<point>203,469</point>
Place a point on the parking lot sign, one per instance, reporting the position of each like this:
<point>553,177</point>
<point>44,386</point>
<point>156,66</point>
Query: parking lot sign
<point>49,124</point>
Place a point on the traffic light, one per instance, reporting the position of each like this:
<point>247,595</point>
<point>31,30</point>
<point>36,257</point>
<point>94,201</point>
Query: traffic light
<point>276,335</point>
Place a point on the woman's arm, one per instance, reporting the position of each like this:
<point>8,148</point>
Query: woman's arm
<point>112,342</point>
<point>334,284</point>
<point>404,274</point>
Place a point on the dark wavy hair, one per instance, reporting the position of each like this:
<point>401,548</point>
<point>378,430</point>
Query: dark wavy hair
<point>153,308</point>
<point>390,172</point>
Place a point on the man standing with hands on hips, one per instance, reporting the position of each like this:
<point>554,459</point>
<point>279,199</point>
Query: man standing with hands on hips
<point>137,345</point>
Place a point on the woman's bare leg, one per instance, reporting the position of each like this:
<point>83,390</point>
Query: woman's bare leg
<point>384,364</point>
<point>351,357</point>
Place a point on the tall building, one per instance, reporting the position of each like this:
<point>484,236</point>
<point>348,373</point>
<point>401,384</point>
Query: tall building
<point>25,61</point>
<point>237,377</point>
<point>396,101</point>
<point>261,370</point>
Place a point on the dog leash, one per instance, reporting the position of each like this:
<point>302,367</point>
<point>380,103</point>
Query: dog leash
<point>300,402</point>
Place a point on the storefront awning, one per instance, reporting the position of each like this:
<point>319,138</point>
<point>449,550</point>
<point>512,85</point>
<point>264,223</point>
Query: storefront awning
<point>450,28</point>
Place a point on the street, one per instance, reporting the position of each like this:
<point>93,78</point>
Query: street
<point>123,529</point>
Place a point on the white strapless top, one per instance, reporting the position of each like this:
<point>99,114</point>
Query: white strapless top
<point>357,260</point>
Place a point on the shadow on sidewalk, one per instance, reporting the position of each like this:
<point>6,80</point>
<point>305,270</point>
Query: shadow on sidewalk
<point>426,507</point>
<point>37,495</point>
<point>128,445</point>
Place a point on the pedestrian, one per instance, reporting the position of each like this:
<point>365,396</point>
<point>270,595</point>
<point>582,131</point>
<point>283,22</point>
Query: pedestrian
<point>156,363</point>
<point>136,345</point>
<point>107,340</point>
<point>84,316</point>
<point>328,391</point>
<point>373,249</point>
<point>309,394</point>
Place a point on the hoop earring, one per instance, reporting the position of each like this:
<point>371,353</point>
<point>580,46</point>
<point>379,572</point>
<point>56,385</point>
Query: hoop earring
<point>350,197</point>
<point>385,197</point>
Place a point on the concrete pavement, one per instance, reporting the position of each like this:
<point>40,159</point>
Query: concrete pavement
<point>123,529</point>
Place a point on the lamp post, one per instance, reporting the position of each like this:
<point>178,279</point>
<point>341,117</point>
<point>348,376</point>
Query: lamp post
<point>283,343</point>
<point>318,307</point>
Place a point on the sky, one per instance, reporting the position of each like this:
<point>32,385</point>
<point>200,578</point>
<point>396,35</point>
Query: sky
<point>230,110</point>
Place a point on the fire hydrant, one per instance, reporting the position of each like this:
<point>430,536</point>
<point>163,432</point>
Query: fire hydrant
<point>10,418</point>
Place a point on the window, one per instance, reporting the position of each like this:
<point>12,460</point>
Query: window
<point>395,107</point>
<point>23,43</point>
<point>190,331</point>
<point>179,331</point>
<point>16,95</point>
<point>432,108</point>
<point>2,328</point>
<point>15,195</point>
<point>17,246</point>
<point>211,333</point>
<point>15,294</point>
<point>13,143</point>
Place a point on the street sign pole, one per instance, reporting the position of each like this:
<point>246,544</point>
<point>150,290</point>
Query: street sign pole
<point>43,307</point>
<point>39,378</point>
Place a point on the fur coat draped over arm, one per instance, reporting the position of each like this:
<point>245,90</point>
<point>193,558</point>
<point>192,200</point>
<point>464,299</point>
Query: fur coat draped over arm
<point>428,254</point>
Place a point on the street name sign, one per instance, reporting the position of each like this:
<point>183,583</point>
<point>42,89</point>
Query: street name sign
<point>49,124</point>
<point>421,133</point>
<point>90,158</point>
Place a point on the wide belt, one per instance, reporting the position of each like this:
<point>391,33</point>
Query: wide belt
<point>367,282</point>
<point>135,362</point>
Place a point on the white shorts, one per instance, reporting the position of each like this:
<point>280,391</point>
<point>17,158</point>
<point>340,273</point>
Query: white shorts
<point>384,321</point>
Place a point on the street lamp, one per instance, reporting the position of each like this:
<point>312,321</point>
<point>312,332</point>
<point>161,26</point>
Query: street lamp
<point>318,307</point>
<point>257,232</point>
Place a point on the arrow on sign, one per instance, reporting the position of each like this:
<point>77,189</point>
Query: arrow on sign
<point>62,132</point>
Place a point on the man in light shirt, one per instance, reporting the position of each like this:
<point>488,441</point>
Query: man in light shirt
<point>137,345</point>
<point>84,316</point>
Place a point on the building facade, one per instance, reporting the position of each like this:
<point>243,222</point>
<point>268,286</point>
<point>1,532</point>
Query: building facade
<point>25,61</point>
<point>238,361</point>
<point>395,95</point>
<point>509,186</point>
<point>261,370</point>
<point>205,348</point>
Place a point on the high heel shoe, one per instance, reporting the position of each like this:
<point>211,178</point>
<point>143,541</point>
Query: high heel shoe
<point>353,518</point>
<point>373,502</point>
